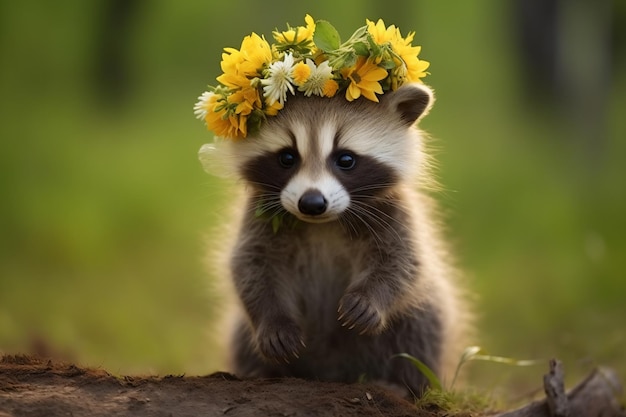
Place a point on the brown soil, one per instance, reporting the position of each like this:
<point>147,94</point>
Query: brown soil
<point>39,387</point>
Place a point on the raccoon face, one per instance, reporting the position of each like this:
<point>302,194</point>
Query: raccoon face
<point>320,158</point>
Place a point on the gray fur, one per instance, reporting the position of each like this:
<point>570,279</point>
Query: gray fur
<point>337,300</point>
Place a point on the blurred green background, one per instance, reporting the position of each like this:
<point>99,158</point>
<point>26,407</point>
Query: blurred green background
<point>105,209</point>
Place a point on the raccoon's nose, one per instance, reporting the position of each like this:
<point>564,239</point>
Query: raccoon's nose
<point>312,203</point>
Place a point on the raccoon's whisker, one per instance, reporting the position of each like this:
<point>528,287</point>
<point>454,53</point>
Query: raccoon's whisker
<point>276,206</point>
<point>389,227</point>
<point>356,211</point>
<point>382,218</point>
<point>267,203</point>
<point>352,217</point>
<point>347,224</point>
<point>370,222</point>
<point>268,196</point>
<point>391,203</point>
<point>368,212</point>
<point>372,207</point>
<point>265,185</point>
<point>371,187</point>
<point>364,194</point>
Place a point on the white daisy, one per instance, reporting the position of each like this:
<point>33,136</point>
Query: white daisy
<point>280,80</point>
<point>319,75</point>
<point>200,108</point>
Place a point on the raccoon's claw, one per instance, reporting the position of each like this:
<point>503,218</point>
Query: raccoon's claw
<point>357,312</point>
<point>280,340</point>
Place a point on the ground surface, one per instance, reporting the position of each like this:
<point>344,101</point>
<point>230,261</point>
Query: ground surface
<point>39,387</point>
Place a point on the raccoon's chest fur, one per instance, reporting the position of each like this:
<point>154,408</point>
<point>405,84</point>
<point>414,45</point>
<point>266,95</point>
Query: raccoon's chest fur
<point>322,261</point>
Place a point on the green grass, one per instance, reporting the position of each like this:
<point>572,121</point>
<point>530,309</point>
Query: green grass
<point>447,396</point>
<point>454,402</point>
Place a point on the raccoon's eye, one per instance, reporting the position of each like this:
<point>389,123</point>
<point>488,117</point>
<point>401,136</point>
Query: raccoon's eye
<point>346,161</point>
<point>287,158</point>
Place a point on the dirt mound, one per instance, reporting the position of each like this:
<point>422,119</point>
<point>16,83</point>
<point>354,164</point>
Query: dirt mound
<point>38,387</point>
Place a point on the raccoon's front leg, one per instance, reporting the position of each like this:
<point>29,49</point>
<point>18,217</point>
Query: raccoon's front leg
<point>278,337</point>
<point>357,310</point>
<point>380,290</point>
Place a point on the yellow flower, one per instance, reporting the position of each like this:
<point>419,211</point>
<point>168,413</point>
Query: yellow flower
<point>310,27</point>
<point>247,62</point>
<point>330,88</point>
<point>410,68</point>
<point>272,109</point>
<point>257,53</point>
<point>298,35</point>
<point>234,81</point>
<point>319,58</point>
<point>243,127</point>
<point>415,67</point>
<point>379,32</point>
<point>246,99</point>
<point>364,79</point>
<point>218,121</point>
<point>301,73</point>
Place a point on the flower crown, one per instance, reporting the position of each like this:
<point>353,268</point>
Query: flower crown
<point>257,78</point>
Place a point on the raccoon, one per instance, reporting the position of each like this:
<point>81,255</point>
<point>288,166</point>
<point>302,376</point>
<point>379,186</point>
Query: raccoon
<point>337,262</point>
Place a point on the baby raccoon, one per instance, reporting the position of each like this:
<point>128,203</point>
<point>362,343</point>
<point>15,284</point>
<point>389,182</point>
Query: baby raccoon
<point>337,262</point>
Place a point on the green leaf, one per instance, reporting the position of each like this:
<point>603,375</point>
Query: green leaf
<point>358,35</point>
<point>434,382</point>
<point>260,209</point>
<point>387,64</point>
<point>349,60</point>
<point>476,353</point>
<point>254,122</point>
<point>326,36</point>
<point>508,361</point>
<point>276,221</point>
<point>361,49</point>
<point>374,47</point>
<point>469,353</point>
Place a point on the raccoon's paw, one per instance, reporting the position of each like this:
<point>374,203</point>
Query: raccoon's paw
<point>280,340</point>
<point>356,311</point>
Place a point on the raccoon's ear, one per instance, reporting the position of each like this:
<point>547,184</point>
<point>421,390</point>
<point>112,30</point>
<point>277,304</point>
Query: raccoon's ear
<point>411,102</point>
<point>216,159</point>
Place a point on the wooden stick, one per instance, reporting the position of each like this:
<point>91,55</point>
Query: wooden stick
<point>597,395</point>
